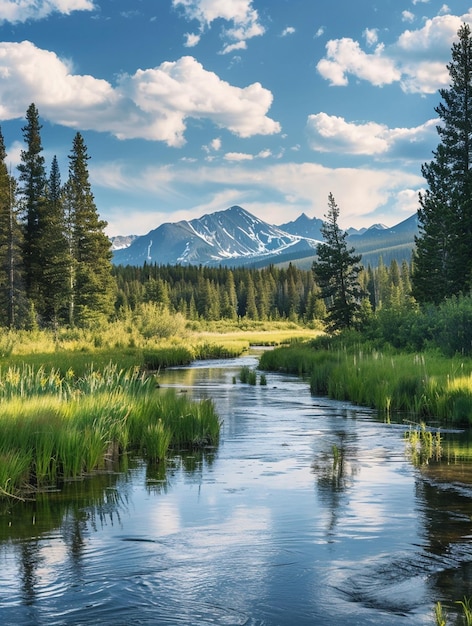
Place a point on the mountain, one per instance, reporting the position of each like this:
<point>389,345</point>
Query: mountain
<point>304,226</point>
<point>230,237</point>
<point>235,237</point>
<point>396,242</point>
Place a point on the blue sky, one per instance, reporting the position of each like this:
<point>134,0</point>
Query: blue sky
<point>190,106</point>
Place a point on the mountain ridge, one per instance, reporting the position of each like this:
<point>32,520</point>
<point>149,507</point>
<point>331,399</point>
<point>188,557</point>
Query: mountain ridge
<point>235,237</point>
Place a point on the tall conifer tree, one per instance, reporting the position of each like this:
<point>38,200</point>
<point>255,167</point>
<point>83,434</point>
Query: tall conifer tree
<point>12,300</point>
<point>56,252</point>
<point>32,188</point>
<point>93,284</point>
<point>443,259</point>
<point>336,271</point>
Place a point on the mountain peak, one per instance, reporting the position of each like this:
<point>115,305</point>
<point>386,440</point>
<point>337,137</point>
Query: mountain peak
<point>235,237</point>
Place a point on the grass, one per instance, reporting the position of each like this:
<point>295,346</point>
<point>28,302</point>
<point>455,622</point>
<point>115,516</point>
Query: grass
<point>55,428</point>
<point>425,386</point>
<point>423,444</point>
<point>441,617</point>
<point>248,376</point>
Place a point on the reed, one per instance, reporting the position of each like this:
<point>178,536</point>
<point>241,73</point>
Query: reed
<point>69,426</point>
<point>466,605</point>
<point>439,615</point>
<point>248,376</point>
<point>244,374</point>
<point>156,441</point>
<point>426,385</point>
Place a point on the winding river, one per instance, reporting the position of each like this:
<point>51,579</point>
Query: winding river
<point>309,512</point>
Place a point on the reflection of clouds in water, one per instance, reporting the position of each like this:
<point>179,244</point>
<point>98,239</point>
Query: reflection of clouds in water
<point>245,526</point>
<point>165,519</point>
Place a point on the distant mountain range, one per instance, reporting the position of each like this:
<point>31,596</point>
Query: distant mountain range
<point>235,237</point>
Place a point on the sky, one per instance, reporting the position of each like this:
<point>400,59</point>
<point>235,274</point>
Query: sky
<point>188,107</point>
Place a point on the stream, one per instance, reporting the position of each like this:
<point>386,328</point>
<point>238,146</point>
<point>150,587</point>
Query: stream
<point>309,512</point>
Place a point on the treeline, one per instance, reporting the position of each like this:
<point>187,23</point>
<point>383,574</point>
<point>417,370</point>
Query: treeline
<point>271,293</point>
<point>55,259</point>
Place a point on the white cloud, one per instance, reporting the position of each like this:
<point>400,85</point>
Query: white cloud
<point>290,30</point>
<point>151,104</point>
<point>328,133</point>
<point>214,145</point>
<point>344,56</point>
<point>371,36</point>
<point>319,32</point>
<point>238,156</point>
<point>417,60</point>
<point>23,10</point>
<point>408,16</point>
<point>191,40</point>
<point>240,13</point>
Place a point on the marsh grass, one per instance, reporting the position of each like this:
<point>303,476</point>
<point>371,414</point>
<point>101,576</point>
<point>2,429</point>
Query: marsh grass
<point>423,444</point>
<point>439,615</point>
<point>466,605</point>
<point>248,376</point>
<point>56,428</point>
<point>425,386</point>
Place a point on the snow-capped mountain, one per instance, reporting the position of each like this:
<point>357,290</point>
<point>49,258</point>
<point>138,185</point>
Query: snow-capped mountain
<point>232,236</point>
<point>235,237</point>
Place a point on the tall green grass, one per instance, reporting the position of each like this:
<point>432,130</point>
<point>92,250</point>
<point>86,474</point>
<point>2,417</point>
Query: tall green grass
<point>54,428</point>
<point>426,385</point>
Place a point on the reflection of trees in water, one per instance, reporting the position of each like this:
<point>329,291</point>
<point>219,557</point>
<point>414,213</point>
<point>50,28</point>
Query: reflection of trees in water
<point>192,464</point>
<point>446,512</point>
<point>81,507</point>
<point>335,470</point>
<point>29,559</point>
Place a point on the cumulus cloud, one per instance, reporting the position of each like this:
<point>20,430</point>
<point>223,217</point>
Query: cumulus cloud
<point>23,10</point>
<point>344,56</point>
<point>242,16</point>
<point>151,104</point>
<point>329,133</point>
<point>408,16</point>
<point>417,60</point>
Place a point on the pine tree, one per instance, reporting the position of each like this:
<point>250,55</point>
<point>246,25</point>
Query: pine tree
<point>443,257</point>
<point>32,187</point>
<point>56,252</point>
<point>12,300</point>
<point>93,284</point>
<point>336,271</point>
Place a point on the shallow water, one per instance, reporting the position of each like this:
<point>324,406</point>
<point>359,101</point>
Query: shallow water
<point>308,512</point>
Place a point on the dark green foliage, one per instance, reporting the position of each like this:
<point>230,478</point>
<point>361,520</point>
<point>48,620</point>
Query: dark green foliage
<point>337,273</point>
<point>443,258</point>
<point>32,189</point>
<point>58,260</point>
<point>93,284</point>
<point>65,256</point>
<point>12,297</point>
<point>222,293</point>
